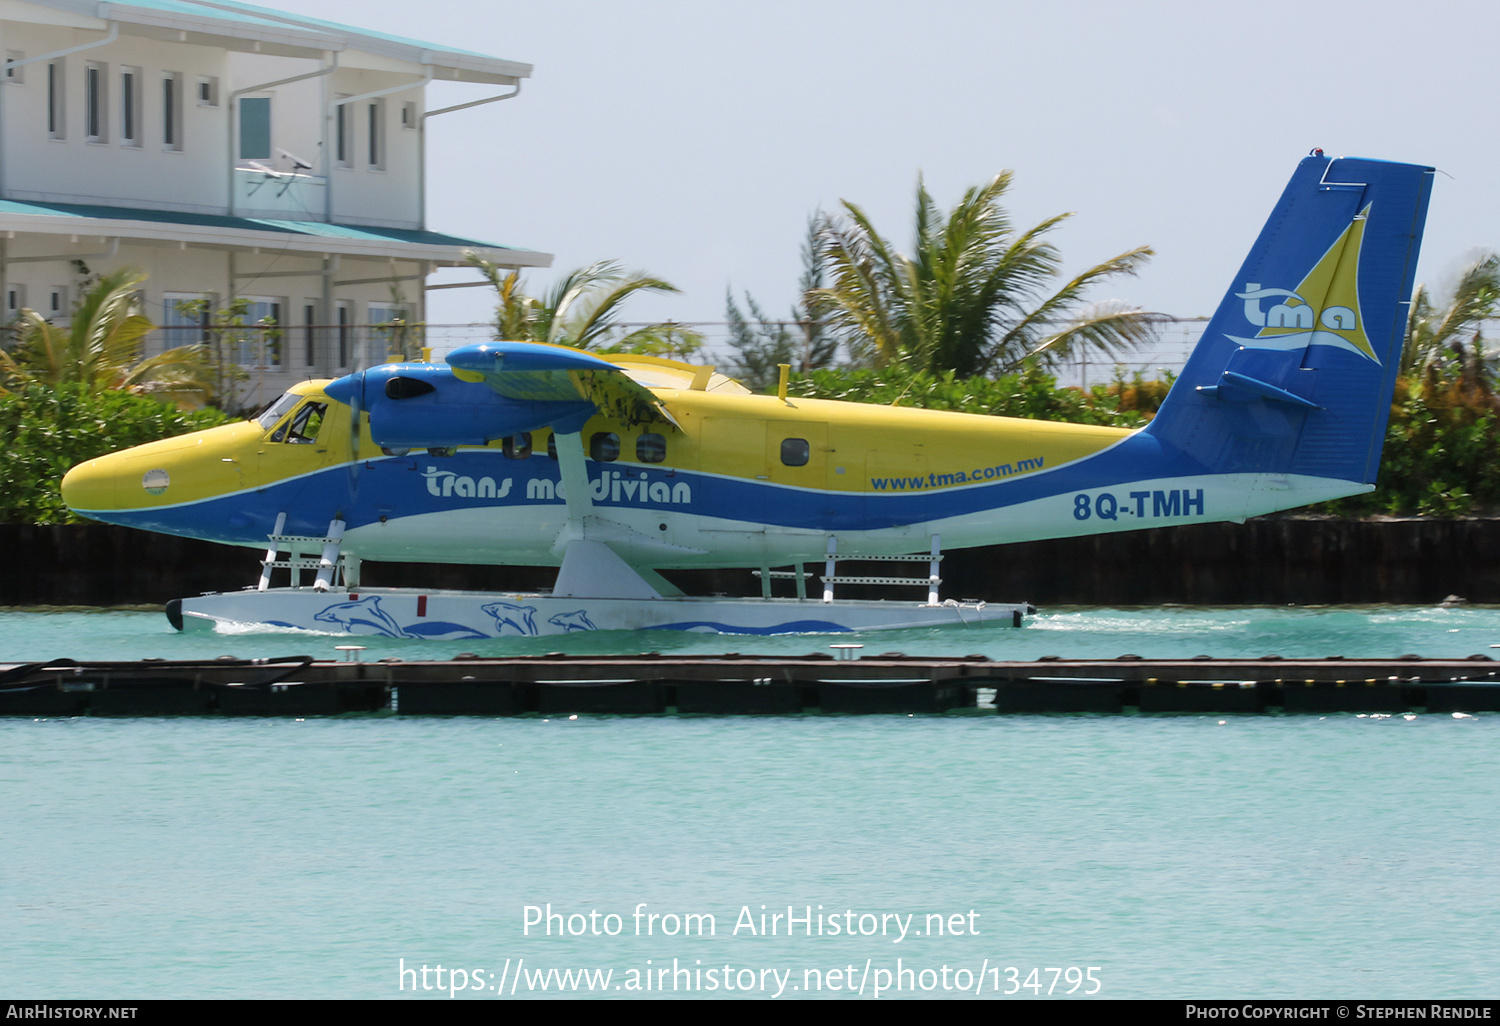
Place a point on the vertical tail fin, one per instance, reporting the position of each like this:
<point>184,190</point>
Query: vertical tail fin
<point>1294,373</point>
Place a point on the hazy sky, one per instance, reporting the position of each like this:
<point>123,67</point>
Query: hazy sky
<point>693,138</point>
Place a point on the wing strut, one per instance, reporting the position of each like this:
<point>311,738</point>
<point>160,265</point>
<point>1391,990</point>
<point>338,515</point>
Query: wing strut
<point>591,566</point>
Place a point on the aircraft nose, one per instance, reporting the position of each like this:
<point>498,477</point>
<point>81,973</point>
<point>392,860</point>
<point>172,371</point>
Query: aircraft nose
<point>125,482</point>
<point>93,486</point>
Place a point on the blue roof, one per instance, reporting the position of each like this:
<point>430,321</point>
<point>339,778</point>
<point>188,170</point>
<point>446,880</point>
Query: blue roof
<point>257,13</point>
<point>364,237</point>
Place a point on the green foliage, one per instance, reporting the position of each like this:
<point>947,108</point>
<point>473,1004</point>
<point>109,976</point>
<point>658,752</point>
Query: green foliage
<point>1029,392</point>
<point>1441,457</point>
<point>580,310</point>
<point>403,337</point>
<point>762,347</point>
<point>1442,445</point>
<point>1446,341</point>
<point>50,429</point>
<point>972,296</point>
<point>668,341</point>
<point>232,337</point>
<point>101,346</point>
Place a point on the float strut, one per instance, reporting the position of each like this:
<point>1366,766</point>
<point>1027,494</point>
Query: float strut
<point>330,559</point>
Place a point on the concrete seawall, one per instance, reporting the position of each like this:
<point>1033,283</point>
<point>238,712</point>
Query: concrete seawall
<point>1273,561</point>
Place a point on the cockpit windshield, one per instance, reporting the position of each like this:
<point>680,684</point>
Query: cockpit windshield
<point>278,409</point>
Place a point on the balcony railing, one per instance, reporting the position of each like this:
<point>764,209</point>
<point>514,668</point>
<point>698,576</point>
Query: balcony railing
<point>262,191</point>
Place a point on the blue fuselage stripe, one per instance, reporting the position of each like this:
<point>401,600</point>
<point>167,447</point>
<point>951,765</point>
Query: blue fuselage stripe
<point>477,480</point>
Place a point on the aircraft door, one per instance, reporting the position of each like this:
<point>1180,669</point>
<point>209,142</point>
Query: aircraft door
<point>846,479</point>
<point>735,448</point>
<point>797,454</point>
<point>303,441</point>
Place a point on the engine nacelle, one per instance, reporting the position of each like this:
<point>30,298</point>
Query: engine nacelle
<point>423,405</point>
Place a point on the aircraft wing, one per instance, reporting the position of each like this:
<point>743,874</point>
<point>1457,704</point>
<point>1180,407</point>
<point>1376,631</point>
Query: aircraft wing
<point>492,390</point>
<point>538,373</point>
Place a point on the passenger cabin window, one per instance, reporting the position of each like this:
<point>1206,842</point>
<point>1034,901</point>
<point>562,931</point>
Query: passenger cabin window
<point>795,452</point>
<point>651,447</point>
<point>302,427</point>
<point>604,446</point>
<point>517,447</point>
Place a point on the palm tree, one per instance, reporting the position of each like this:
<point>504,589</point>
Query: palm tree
<point>971,297</point>
<point>1442,341</point>
<point>763,346</point>
<point>580,310</point>
<point>101,346</point>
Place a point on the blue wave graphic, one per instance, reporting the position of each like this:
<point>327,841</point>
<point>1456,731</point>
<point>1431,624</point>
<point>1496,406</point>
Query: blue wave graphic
<point>441,629</point>
<point>791,627</point>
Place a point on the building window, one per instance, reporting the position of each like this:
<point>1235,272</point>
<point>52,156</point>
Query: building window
<point>343,136</point>
<point>56,108</point>
<point>171,110</point>
<point>262,346</point>
<point>130,106</point>
<point>376,113</point>
<point>57,303</point>
<point>343,334</point>
<point>409,114</point>
<point>388,327</point>
<point>208,91</point>
<point>13,73</point>
<point>255,128</point>
<point>15,300</point>
<point>310,334</point>
<point>186,317</point>
<point>95,102</point>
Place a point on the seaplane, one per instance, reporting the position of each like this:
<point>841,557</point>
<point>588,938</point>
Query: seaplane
<point>617,468</point>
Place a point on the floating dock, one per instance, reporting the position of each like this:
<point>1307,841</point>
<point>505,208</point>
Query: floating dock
<point>733,684</point>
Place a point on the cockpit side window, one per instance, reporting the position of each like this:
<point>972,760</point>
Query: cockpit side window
<point>302,427</point>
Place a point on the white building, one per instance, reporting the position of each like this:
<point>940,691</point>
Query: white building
<point>232,152</point>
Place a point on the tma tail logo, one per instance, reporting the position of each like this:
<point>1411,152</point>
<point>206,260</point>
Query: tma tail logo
<point>1323,310</point>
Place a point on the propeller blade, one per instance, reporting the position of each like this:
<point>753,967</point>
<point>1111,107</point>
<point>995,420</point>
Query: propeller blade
<point>356,404</point>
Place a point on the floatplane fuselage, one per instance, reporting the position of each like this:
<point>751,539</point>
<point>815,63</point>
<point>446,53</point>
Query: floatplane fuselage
<point>616,467</point>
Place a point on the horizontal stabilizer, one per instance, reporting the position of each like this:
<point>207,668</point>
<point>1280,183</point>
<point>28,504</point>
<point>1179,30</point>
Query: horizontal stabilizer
<point>1231,381</point>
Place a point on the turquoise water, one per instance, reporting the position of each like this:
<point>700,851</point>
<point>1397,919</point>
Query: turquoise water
<point>1183,856</point>
<point>1376,631</point>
